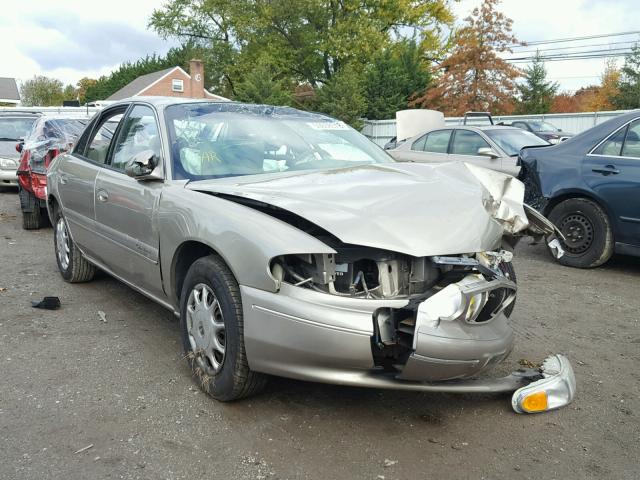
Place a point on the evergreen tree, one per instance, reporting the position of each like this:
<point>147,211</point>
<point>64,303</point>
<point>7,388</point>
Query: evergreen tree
<point>536,93</point>
<point>260,85</point>
<point>629,94</point>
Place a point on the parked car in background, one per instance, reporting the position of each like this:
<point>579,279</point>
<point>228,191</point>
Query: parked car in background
<point>284,242</point>
<point>589,186</point>
<point>544,130</point>
<point>49,136</point>
<point>492,146</point>
<point>14,127</point>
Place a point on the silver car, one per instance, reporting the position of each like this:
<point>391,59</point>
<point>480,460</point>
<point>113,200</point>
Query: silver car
<point>288,244</point>
<point>495,147</point>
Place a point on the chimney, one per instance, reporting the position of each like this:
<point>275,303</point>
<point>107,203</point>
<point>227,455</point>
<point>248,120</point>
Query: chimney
<point>196,71</point>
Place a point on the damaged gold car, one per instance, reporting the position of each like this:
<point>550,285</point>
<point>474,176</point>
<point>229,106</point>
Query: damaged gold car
<point>288,244</point>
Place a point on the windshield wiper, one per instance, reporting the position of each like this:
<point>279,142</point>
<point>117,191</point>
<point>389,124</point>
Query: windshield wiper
<point>6,139</point>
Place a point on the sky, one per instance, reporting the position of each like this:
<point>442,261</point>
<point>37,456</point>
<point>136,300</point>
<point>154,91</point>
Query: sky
<point>71,39</point>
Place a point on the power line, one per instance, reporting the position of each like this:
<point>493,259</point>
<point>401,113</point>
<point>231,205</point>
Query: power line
<point>633,42</point>
<point>574,39</point>
<point>584,57</point>
<point>622,50</point>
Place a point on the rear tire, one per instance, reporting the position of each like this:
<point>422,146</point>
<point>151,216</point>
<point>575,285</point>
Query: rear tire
<point>212,329</point>
<point>73,267</point>
<point>32,218</point>
<point>586,227</point>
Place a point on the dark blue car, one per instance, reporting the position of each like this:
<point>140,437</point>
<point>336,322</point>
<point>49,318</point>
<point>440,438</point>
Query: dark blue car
<point>589,186</point>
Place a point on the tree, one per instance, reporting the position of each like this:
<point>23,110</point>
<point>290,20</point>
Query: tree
<point>474,77</point>
<point>602,98</point>
<point>393,78</point>
<point>536,93</point>
<point>69,93</point>
<point>41,91</point>
<point>629,94</point>
<point>82,86</point>
<point>343,97</point>
<point>306,42</point>
<point>565,103</point>
<point>261,85</point>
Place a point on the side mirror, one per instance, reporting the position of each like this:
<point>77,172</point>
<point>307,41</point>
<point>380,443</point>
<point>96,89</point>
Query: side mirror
<point>488,152</point>
<point>19,147</point>
<point>142,166</point>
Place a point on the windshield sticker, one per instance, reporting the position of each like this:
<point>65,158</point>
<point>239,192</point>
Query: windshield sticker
<point>328,125</point>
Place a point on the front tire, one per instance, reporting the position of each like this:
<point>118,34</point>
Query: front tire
<point>212,329</point>
<point>586,227</point>
<point>73,267</point>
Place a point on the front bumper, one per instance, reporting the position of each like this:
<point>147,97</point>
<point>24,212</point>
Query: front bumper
<point>8,177</point>
<point>307,335</point>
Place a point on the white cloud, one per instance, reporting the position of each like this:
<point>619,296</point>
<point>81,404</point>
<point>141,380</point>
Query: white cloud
<point>71,39</point>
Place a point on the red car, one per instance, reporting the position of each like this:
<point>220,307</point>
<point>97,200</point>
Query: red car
<point>50,136</point>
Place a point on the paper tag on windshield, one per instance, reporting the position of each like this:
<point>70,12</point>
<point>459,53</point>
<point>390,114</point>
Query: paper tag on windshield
<point>328,125</point>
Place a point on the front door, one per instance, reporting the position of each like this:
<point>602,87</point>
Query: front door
<point>126,208</point>
<point>465,145</point>
<point>612,171</point>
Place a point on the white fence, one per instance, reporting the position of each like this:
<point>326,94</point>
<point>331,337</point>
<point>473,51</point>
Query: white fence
<point>381,131</point>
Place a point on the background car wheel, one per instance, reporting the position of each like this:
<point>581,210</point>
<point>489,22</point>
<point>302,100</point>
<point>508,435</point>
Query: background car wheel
<point>73,267</point>
<point>586,227</point>
<point>212,328</point>
<point>32,215</point>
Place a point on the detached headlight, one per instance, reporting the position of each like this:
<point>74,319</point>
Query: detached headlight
<point>8,164</point>
<point>556,388</point>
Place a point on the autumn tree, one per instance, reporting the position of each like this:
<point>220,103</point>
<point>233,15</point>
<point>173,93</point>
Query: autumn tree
<point>82,86</point>
<point>601,98</point>
<point>629,95</point>
<point>41,91</point>
<point>474,77</point>
<point>536,92</point>
<point>565,103</point>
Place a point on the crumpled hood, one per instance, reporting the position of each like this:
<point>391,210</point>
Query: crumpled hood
<point>416,209</point>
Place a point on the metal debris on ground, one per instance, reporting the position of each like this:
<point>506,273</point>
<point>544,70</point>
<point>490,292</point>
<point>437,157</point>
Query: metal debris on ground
<point>389,463</point>
<point>84,449</point>
<point>102,315</point>
<point>47,303</point>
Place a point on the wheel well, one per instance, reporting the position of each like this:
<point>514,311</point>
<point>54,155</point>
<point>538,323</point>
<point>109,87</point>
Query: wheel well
<point>566,196</point>
<point>185,255</point>
<point>52,203</point>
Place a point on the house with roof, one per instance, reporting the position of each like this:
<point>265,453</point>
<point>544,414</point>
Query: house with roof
<point>170,82</point>
<point>9,94</point>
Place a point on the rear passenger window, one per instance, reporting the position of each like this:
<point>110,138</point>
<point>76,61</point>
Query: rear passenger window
<point>436,142</point>
<point>613,145</point>
<point>631,146</point>
<point>99,144</point>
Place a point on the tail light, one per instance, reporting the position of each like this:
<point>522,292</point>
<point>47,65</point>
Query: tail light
<point>51,154</point>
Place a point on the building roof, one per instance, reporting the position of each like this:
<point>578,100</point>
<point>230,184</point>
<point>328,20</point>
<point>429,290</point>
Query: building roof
<point>139,84</point>
<point>9,90</point>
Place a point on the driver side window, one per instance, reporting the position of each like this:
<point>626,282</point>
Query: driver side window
<point>139,133</point>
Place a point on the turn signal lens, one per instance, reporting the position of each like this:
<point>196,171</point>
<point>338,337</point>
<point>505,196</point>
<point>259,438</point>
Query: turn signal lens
<point>535,402</point>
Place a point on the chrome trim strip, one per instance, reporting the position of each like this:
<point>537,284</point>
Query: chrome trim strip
<point>590,153</point>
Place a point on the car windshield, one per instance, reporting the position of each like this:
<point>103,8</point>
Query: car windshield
<point>15,128</point>
<point>543,127</point>
<point>512,140</point>
<point>224,140</point>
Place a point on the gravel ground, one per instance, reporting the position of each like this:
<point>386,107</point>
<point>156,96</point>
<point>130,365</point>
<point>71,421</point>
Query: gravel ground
<point>70,380</point>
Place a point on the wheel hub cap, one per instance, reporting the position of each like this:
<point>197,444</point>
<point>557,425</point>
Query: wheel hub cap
<point>62,243</point>
<point>206,329</point>
<point>578,232</point>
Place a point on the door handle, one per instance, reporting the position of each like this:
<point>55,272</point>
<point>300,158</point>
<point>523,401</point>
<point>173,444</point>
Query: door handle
<point>103,196</point>
<point>607,170</point>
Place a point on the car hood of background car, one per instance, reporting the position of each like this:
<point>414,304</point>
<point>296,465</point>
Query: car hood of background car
<point>416,209</point>
<point>8,150</point>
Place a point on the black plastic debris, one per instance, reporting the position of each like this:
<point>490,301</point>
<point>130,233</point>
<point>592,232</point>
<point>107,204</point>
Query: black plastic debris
<point>48,303</point>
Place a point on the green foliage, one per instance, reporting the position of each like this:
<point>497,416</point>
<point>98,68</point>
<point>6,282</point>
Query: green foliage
<point>536,94</point>
<point>261,86</point>
<point>343,97</point>
<point>393,78</point>
<point>41,91</point>
<point>107,85</point>
<point>305,42</point>
<point>69,93</point>
<point>629,94</point>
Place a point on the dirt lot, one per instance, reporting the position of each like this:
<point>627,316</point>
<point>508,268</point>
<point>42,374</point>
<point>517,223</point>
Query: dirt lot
<point>70,380</point>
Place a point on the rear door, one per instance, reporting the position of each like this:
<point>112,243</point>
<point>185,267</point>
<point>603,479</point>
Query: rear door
<point>77,175</point>
<point>430,148</point>
<point>612,171</point>
<point>126,207</point>
<point>465,145</point>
